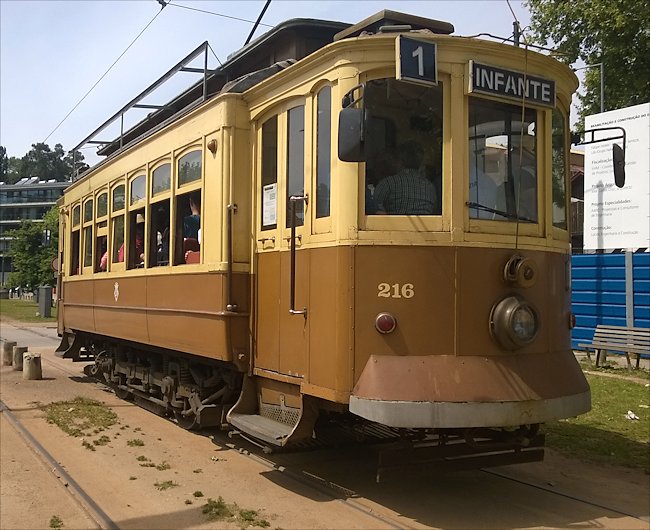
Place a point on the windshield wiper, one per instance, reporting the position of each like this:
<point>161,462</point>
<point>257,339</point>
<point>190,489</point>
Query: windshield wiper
<point>507,215</point>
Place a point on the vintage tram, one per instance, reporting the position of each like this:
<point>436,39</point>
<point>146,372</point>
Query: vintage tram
<point>343,223</point>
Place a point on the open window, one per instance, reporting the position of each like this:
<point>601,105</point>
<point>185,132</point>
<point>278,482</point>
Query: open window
<point>159,233</point>
<point>135,235</point>
<point>188,228</point>
<point>101,237</point>
<point>187,208</point>
<point>117,223</point>
<point>135,255</point>
<point>560,169</point>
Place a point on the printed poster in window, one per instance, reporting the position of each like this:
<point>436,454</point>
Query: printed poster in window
<point>269,204</point>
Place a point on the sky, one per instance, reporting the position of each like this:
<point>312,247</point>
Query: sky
<point>53,52</point>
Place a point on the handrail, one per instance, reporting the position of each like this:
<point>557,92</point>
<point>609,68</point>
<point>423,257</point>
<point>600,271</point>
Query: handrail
<point>292,309</point>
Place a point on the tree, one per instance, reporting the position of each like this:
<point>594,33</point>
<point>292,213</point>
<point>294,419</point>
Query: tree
<point>32,253</point>
<point>612,32</point>
<point>43,162</point>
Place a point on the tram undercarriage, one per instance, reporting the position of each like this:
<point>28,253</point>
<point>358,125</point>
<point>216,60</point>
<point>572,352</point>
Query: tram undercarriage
<point>196,394</point>
<point>200,394</point>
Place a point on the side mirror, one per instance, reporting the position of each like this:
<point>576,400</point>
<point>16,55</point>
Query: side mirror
<point>351,144</point>
<point>618,152</point>
<point>618,157</point>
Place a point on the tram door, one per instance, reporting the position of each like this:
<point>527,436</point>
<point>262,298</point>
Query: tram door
<point>282,335</point>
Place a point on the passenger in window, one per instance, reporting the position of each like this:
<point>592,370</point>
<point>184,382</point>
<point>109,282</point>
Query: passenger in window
<point>385,164</point>
<point>139,245</point>
<point>407,192</point>
<point>192,230</point>
<point>103,262</point>
<point>192,223</point>
<point>162,236</point>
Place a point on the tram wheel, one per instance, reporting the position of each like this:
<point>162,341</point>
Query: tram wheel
<point>187,422</point>
<point>123,393</point>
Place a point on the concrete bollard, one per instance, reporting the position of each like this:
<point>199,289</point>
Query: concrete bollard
<point>18,357</point>
<point>8,353</point>
<point>32,366</point>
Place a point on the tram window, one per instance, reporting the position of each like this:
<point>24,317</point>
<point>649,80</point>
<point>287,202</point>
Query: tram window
<point>102,205</point>
<point>137,188</point>
<point>118,239</point>
<point>76,216</point>
<point>188,228</point>
<point>74,258</point>
<point>136,239</point>
<point>159,234</point>
<point>296,163</point>
<point>269,203</point>
<point>88,246</point>
<point>118,198</point>
<point>88,211</point>
<point>502,162</point>
<point>403,148</point>
<point>161,179</point>
<point>323,151</point>
<point>189,168</point>
<point>101,248</point>
<point>559,170</point>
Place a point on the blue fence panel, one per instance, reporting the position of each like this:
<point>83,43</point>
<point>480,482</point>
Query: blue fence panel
<point>598,292</point>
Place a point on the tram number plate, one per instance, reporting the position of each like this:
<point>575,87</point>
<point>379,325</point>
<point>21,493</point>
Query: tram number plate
<point>396,290</point>
<point>416,61</point>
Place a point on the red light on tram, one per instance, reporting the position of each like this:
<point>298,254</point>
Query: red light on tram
<point>385,323</point>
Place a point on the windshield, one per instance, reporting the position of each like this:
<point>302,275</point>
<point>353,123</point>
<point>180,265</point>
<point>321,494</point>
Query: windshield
<point>403,148</point>
<point>502,162</point>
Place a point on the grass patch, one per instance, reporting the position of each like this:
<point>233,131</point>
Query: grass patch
<point>142,458</point>
<point>614,369</point>
<point>163,467</point>
<point>148,464</point>
<point>198,470</point>
<point>133,478</point>
<point>220,510</point>
<point>79,415</point>
<point>605,434</point>
<point>136,442</point>
<point>102,440</point>
<point>198,494</point>
<point>23,311</point>
<point>167,484</point>
<point>188,501</point>
<point>56,522</point>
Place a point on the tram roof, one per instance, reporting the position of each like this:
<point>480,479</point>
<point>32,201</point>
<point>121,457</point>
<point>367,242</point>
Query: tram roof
<point>289,41</point>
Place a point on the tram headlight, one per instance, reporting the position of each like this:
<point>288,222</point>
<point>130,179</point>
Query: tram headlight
<point>513,322</point>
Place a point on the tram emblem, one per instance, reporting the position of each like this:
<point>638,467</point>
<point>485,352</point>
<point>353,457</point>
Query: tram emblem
<point>116,291</point>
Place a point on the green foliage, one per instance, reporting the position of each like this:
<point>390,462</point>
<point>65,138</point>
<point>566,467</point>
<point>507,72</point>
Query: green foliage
<point>41,161</point>
<point>79,415</point>
<point>56,522</point>
<point>605,434</point>
<point>136,442</point>
<point>220,510</point>
<point>24,311</point>
<point>614,33</point>
<point>162,486</point>
<point>32,253</point>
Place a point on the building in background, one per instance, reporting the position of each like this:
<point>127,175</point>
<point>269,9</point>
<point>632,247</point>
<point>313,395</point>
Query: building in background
<point>29,198</point>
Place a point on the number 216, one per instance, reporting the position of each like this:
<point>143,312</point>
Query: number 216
<point>396,290</point>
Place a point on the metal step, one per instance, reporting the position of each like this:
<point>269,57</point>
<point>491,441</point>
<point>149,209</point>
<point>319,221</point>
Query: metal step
<point>262,428</point>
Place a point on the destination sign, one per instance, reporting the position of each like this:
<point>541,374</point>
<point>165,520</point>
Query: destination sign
<point>510,84</point>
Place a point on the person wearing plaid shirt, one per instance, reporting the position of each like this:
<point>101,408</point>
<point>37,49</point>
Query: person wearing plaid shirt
<point>407,192</point>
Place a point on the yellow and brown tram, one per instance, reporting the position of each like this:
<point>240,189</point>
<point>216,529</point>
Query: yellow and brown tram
<point>307,291</point>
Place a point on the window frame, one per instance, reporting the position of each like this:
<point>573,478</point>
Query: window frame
<point>179,190</point>
<point>405,223</point>
<point>114,215</point>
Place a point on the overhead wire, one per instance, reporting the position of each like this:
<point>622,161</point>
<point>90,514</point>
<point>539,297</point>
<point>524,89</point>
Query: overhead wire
<point>217,14</point>
<point>106,72</point>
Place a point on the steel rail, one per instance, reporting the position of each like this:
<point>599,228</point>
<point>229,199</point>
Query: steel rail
<point>92,509</point>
